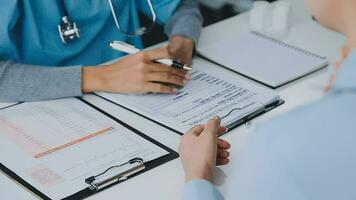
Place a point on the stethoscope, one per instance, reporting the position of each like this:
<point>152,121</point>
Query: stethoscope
<point>69,31</point>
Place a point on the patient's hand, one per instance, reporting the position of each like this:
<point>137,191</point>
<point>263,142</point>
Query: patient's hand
<point>201,149</point>
<point>345,51</point>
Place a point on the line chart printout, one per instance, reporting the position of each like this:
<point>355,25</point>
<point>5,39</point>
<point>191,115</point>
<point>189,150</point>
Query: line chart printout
<point>55,145</point>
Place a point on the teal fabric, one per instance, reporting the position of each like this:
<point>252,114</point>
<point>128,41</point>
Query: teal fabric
<point>30,45</point>
<point>29,34</point>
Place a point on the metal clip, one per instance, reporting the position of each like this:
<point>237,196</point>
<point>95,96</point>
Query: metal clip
<point>127,169</point>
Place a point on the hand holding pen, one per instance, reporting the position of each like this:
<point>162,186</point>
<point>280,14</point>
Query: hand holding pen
<point>136,74</point>
<point>129,49</point>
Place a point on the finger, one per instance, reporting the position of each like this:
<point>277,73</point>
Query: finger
<point>332,78</point>
<point>223,144</point>
<point>330,84</point>
<point>337,65</point>
<point>222,161</point>
<point>212,126</point>
<point>327,88</point>
<point>344,52</point>
<point>196,130</point>
<point>223,154</point>
<point>165,77</point>
<point>155,54</point>
<point>164,68</point>
<point>174,44</point>
<point>173,50</point>
<point>183,54</point>
<point>159,88</point>
<point>222,130</point>
<point>186,57</point>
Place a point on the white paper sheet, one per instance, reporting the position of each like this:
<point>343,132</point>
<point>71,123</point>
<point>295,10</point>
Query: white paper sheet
<point>212,91</point>
<point>56,145</point>
<point>264,59</point>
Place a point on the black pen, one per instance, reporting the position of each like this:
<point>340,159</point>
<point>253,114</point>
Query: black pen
<point>129,49</point>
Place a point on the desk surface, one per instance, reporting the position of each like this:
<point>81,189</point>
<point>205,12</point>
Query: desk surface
<point>166,181</point>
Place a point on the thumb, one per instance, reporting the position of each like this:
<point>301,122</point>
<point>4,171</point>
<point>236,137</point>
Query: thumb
<point>175,52</point>
<point>158,53</point>
<point>186,57</point>
<point>212,127</point>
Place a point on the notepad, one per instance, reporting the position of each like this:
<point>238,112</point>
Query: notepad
<point>5,105</point>
<point>264,59</point>
<point>212,91</point>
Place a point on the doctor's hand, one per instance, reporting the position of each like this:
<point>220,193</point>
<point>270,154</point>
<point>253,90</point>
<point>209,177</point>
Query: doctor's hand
<point>135,74</point>
<point>181,49</point>
<point>201,150</point>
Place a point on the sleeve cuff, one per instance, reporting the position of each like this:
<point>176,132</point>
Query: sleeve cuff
<point>73,81</point>
<point>187,27</point>
<point>187,21</point>
<point>34,83</point>
<point>201,189</point>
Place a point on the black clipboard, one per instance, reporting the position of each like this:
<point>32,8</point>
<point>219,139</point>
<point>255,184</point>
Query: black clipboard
<point>235,125</point>
<point>90,190</point>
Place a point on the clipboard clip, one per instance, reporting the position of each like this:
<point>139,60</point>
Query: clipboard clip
<point>115,174</point>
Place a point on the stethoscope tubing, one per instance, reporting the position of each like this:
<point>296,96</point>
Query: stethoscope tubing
<point>141,31</point>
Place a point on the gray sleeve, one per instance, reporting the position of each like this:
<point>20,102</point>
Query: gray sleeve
<point>186,21</point>
<point>20,82</point>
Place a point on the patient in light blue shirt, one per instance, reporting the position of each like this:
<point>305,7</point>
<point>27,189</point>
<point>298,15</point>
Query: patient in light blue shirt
<point>308,153</point>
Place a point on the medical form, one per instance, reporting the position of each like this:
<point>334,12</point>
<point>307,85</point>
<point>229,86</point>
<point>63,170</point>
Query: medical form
<point>212,91</point>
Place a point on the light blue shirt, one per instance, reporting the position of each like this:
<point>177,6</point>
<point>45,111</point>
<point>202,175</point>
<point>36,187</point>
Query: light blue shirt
<point>309,153</point>
<point>29,33</point>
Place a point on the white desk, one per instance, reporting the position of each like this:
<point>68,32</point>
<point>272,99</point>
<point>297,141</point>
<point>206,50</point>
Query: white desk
<point>166,181</point>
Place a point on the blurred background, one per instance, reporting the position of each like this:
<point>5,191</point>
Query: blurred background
<point>212,11</point>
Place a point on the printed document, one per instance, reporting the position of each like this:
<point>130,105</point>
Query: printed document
<point>212,91</point>
<point>56,145</point>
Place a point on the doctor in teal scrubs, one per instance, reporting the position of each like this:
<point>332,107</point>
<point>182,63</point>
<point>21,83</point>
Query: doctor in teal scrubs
<point>35,64</point>
<point>308,153</point>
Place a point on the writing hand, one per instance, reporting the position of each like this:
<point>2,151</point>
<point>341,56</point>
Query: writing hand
<point>137,73</point>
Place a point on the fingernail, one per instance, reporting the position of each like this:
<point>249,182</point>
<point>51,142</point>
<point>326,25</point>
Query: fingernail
<point>174,90</point>
<point>216,118</point>
<point>226,130</point>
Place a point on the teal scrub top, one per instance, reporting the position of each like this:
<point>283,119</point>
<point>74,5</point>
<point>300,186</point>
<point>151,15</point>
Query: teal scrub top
<point>29,33</point>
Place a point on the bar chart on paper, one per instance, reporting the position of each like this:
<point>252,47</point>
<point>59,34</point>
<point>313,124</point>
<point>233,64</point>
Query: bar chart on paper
<point>55,129</point>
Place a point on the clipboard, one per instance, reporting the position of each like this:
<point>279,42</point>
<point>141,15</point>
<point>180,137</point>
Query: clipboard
<point>212,91</point>
<point>104,180</point>
<point>230,127</point>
